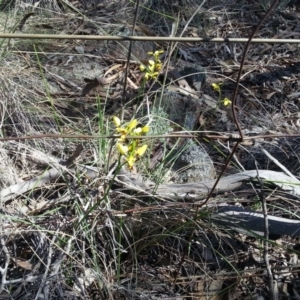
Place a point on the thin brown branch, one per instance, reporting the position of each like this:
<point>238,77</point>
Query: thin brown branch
<point>239,140</point>
<point>233,107</point>
<point>144,38</point>
<point>229,137</point>
<point>124,91</point>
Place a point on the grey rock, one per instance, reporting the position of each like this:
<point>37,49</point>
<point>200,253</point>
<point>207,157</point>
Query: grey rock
<point>182,110</point>
<point>139,49</point>
<point>195,76</point>
<point>79,49</point>
<point>193,163</point>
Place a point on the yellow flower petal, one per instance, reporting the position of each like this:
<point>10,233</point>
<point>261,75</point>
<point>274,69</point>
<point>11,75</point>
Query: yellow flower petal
<point>141,150</point>
<point>217,87</point>
<point>150,53</point>
<point>145,129</point>
<point>116,121</point>
<point>158,52</point>
<point>137,131</point>
<point>121,130</point>
<point>130,161</point>
<point>226,101</point>
<point>147,76</point>
<point>151,65</point>
<point>132,124</point>
<point>122,149</point>
<point>131,146</point>
<point>158,66</point>
<point>122,137</point>
<point>142,68</point>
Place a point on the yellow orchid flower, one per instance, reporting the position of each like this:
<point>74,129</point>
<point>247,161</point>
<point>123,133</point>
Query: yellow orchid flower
<point>116,121</point>
<point>147,76</point>
<point>150,75</point>
<point>141,130</point>
<point>137,131</point>
<point>132,124</point>
<point>156,53</point>
<point>142,67</point>
<point>130,161</point>
<point>158,66</point>
<point>141,150</point>
<point>226,101</point>
<point>151,65</point>
<point>130,147</point>
<point>217,87</point>
<point>154,66</point>
<point>145,129</point>
<point>122,149</point>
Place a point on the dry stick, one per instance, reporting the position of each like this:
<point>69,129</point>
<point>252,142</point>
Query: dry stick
<point>88,137</point>
<point>239,140</point>
<point>124,92</point>
<point>241,68</point>
<point>172,49</point>
<point>174,45</point>
<point>273,293</point>
<point>200,135</point>
<point>47,176</point>
<point>145,38</point>
<point>275,161</point>
<point>232,138</point>
<point>61,256</point>
<point>186,26</point>
<point>3,270</point>
<point>47,267</point>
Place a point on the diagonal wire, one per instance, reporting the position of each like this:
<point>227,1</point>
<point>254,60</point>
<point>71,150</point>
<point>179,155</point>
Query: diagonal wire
<point>238,126</point>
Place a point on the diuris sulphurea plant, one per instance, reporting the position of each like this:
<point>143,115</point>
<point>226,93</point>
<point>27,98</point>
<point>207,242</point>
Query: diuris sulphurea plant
<point>154,66</point>
<point>131,149</point>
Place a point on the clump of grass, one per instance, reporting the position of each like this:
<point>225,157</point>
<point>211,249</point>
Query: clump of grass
<point>267,3</point>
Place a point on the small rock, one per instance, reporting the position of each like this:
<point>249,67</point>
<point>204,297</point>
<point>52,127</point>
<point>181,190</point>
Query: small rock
<point>79,49</point>
<point>193,163</point>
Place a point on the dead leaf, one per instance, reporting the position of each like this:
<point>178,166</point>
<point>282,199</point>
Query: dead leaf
<point>180,84</point>
<point>202,120</point>
<point>132,84</point>
<point>114,67</point>
<point>269,96</point>
<point>92,84</point>
<point>24,264</point>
